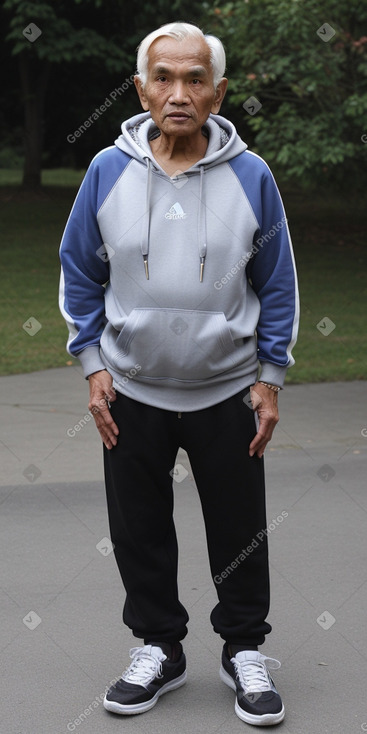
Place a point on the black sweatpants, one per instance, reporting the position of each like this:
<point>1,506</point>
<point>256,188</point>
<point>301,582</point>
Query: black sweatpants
<point>138,473</point>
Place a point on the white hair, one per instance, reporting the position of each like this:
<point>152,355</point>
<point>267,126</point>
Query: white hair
<point>179,31</point>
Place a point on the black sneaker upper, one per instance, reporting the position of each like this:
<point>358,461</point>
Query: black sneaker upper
<point>148,672</point>
<point>253,702</point>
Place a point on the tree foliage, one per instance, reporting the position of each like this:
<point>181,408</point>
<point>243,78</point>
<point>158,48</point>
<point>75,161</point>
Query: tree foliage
<point>313,91</point>
<point>61,41</point>
<point>312,124</point>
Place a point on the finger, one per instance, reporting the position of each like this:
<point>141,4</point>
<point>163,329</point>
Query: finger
<point>262,438</point>
<point>110,394</point>
<point>108,441</point>
<point>105,420</point>
<point>98,403</point>
<point>106,425</point>
<point>260,452</point>
<point>108,434</point>
<point>259,449</point>
<point>257,444</point>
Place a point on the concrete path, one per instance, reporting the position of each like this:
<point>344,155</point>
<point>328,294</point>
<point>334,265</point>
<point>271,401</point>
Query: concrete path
<point>61,636</point>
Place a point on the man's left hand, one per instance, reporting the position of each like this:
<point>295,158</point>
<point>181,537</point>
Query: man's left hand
<point>265,402</point>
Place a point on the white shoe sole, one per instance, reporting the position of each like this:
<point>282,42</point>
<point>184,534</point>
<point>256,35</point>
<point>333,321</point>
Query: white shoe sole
<point>264,720</point>
<point>140,708</point>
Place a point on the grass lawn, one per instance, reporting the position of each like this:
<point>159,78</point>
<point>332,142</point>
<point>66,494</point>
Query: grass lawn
<point>329,237</point>
<point>329,243</point>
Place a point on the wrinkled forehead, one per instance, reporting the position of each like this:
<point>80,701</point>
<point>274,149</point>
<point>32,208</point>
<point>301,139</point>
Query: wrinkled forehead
<point>189,53</point>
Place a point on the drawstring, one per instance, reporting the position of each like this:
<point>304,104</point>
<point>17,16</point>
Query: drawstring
<point>202,226</point>
<point>146,220</point>
<point>202,232</point>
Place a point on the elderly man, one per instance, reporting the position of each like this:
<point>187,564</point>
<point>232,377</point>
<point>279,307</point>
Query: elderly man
<point>179,288</point>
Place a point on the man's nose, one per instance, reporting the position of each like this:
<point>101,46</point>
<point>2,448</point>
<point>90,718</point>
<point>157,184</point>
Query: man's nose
<point>179,94</point>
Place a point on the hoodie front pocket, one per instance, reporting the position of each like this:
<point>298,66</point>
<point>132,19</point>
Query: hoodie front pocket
<point>176,343</point>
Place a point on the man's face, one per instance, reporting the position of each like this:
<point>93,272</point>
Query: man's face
<point>179,91</point>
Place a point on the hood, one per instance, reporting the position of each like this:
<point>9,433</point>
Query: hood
<point>223,144</point>
<point>223,141</point>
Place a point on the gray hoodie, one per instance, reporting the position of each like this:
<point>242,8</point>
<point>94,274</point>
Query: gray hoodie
<point>179,286</point>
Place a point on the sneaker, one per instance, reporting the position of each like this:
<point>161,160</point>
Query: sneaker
<point>150,674</point>
<point>257,701</point>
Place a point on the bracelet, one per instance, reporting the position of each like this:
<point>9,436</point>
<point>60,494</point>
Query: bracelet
<point>274,388</point>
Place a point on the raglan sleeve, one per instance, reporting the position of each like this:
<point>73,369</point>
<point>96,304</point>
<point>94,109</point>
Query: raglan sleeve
<point>84,274</point>
<point>274,280</point>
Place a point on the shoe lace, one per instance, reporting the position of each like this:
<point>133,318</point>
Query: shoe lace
<point>253,675</point>
<point>143,668</point>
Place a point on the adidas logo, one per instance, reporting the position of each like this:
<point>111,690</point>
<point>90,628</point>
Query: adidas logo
<point>175,212</point>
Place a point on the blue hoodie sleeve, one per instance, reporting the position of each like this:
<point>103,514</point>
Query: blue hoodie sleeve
<point>271,270</point>
<point>84,262</point>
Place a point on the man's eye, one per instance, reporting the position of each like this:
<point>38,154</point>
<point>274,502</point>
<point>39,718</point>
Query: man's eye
<point>162,78</point>
<point>196,81</point>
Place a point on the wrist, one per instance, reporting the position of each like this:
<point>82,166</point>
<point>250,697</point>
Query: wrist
<point>270,386</point>
<point>97,372</point>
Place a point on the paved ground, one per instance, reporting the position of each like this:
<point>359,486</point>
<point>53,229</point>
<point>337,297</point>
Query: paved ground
<point>61,637</point>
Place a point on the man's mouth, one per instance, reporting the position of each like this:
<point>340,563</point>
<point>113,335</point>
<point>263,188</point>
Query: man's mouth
<point>178,116</point>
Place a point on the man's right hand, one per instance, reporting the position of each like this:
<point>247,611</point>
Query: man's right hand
<point>101,392</point>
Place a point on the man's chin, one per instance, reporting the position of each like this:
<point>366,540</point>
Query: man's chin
<point>179,126</point>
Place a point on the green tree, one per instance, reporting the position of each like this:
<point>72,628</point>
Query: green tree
<point>43,34</point>
<point>306,63</point>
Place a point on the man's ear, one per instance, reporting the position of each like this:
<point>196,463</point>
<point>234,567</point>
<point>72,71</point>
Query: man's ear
<point>140,91</point>
<point>219,95</point>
